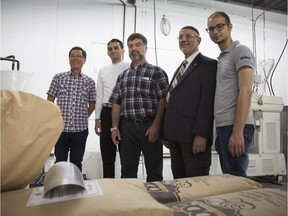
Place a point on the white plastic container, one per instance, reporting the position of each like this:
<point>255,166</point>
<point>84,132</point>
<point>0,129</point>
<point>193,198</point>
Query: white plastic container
<point>16,80</point>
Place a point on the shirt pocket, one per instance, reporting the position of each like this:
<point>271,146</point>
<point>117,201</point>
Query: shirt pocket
<point>62,90</point>
<point>85,92</point>
<point>145,87</point>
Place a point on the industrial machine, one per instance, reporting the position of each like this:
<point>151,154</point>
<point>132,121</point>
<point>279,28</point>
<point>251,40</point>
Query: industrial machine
<point>265,157</point>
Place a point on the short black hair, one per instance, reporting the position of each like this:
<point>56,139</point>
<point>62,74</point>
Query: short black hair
<point>116,40</point>
<point>78,48</point>
<point>191,28</point>
<point>221,13</point>
<point>134,36</point>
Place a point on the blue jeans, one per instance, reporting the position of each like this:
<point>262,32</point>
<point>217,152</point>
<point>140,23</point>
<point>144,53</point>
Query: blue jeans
<point>233,165</point>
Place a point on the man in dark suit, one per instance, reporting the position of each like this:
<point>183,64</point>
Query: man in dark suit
<point>188,124</point>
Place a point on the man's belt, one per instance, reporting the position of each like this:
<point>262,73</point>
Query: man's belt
<point>109,105</point>
<point>139,121</point>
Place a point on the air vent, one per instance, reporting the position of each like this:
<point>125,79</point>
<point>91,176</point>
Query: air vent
<point>271,136</point>
<point>267,166</point>
<point>252,167</point>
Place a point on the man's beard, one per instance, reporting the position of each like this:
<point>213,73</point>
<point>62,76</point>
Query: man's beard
<point>136,56</point>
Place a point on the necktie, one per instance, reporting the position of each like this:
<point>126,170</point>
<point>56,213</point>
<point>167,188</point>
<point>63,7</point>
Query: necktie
<point>177,78</point>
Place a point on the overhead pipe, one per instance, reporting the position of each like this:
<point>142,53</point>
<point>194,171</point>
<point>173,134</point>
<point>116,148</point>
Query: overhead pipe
<point>266,9</point>
<point>155,39</point>
<point>124,19</point>
<point>13,60</point>
<point>10,57</point>
<point>135,14</point>
<point>254,22</point>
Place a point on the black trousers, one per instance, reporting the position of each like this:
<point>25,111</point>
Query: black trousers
<point>133,142</point>
<point>185,164</point>
<point>73,142</point>
<point>107,147</point>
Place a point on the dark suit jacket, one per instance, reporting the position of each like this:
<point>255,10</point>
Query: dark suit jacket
<point>191,105</point>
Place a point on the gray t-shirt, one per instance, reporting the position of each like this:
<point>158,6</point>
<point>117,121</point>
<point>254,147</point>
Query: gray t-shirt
<point>227,91</point>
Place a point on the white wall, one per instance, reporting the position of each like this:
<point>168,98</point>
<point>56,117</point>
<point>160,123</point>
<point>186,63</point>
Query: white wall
<point>40,34</point>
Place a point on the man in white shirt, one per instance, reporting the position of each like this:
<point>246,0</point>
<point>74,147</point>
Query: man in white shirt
<point>105,83</point>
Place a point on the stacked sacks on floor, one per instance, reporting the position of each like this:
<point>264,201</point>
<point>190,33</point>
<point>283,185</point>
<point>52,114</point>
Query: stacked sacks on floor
<point>218,195</point>
<point>30,127</point>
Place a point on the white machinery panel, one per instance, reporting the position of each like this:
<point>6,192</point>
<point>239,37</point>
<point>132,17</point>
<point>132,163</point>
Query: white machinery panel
<point>267,103</point>
<point>271,132</point>
<point>266,164</point>
<point>259,165</point>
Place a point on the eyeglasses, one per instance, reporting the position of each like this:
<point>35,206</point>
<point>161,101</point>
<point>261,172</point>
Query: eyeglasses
<point>218,27</point>
<point>188,36</point>
<point>76,56</point>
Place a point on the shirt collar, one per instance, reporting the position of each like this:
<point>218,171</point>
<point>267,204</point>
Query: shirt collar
<point>139,66</point>
<point>231,47</point>
<point>192,57</point>
<point>70,73</point>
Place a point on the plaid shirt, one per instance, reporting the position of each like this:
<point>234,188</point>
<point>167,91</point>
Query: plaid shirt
<point>73,95</point>
<point>139,90</point>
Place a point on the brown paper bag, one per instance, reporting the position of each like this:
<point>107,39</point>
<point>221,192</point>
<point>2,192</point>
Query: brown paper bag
<point>121,197</point>
<point>262,202</point>
<point>30,127</point>
<point>197,187</point>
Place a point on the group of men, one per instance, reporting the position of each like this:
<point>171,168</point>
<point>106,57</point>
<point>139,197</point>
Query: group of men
<point>137,110</point>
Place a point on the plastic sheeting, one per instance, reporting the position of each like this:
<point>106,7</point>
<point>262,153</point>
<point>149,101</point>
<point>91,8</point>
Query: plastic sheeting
<point>16,80</point>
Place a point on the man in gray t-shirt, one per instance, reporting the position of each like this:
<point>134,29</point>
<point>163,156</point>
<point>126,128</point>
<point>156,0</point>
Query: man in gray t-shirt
<point>231,60</point>
<point>233,116</point>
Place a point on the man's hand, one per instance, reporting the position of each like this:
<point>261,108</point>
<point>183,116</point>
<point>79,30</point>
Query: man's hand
<point>236,145</point>
<point>152,133</point>
<point>98,127</point>
<point>116,136</point>
<point>199,145</point>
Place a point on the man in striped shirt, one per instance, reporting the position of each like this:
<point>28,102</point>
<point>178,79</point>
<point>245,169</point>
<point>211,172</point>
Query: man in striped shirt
<point>76,96</point>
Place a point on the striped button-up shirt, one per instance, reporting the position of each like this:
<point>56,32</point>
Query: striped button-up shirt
<point>72,96</point>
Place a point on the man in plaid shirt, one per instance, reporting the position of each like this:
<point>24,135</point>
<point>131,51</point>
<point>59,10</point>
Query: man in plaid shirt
<point>138,100</point>
<point>76,96</point>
